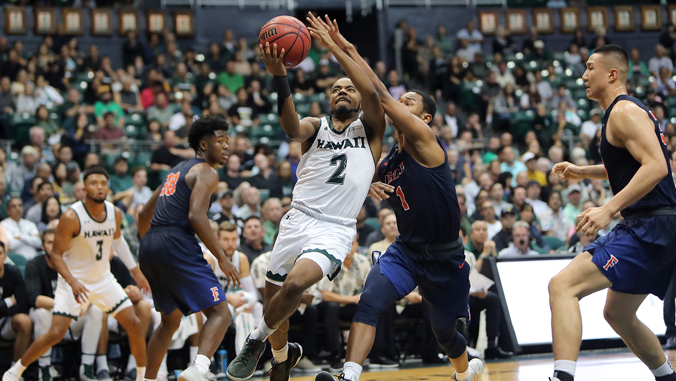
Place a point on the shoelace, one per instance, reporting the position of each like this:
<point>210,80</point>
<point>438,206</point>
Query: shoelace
<point>248,353</point>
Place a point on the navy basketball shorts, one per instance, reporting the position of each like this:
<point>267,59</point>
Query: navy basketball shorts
<point>638,256</point>
<point>443,281</point>
<point>179,276</point>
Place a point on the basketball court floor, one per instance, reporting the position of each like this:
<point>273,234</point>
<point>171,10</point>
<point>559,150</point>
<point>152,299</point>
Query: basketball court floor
<point>617,365</point>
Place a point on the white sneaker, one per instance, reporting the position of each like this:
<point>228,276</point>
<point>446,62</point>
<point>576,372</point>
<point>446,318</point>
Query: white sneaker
<point>192,374</point>
<point>307,366</point>
<point>476,369</point>
<point>162,376</point>
<point>10,376</point>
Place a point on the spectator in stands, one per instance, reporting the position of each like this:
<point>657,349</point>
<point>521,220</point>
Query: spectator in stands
<point>589,127</point>
<point>395,87</point>
<point>465,221</point>
<point>363,229</point>
<point>251,207</point>
<point>572,209</point>
<point>473,37</point>
<point>637,68</point>
<point>37,140</point>
<point>48,125</point>
<point>73,106</point>
<point>44,192</point>
<point>160,111</point>
<point>120,180</point>
<point>179,119</point>
<point>72,177</point>
<point>27,101</point>
<point>257,99</point>
<point>242,113</point>
<point>504,236</point>
<point>51,212</point>
<point>131,48</point>
<point>659,61</point>
<point>106,105</point>
<point>265,178</point>
<point>390,231</point>
<point>109,130</point>
<point>496,194</point>
<point>168,156</point>
<point>492,224</point>
<point>130,232</point>
<point>127,95</point>
<point>22,235</point>
<point>13,315</point>
<point>45,93</point>
<point>533,173</point>
<point>230,79</point>
<point>7,104</point>
<point>443,41</point>
<point>503,42</point>
<point>232,175</point>
<point>139,193</point>
<point>478,242</point>
<point>561,96</point>
<point>227,202</point>
<point>533,190</point>
<point>156,87</point>
<point>286,180</point>
<point>553,221</point>
<point>271,214</point>
<point>377,234</point>
<point>521,242</point>
<point>503,75</point>
<point>508,163</point>
<point>301,85</point>
<point>253,245</point>
<point>665,84</point>
<point>181,81</point>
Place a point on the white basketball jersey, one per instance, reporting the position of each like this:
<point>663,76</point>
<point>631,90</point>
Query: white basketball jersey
<point>335,174</point>
<point>88,254</point>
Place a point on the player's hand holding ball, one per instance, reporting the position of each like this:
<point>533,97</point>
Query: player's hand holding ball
<point>273,62</point>
<point>230,272</point>
<point>567,171</point>
<point>592,220</point>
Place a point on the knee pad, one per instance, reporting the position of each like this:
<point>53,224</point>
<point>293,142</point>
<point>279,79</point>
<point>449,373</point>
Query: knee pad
<point>451,341</point>
<point>379,292</point>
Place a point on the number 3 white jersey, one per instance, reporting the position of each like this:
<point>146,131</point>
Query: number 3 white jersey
<point>88,254</point>
<point>335,174</point>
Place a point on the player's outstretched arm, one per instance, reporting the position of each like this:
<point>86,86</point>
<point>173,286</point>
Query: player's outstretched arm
<point>374,116</point>
<point>68,227</point>
<point>415,129</point>
<point>298,130</point>
<point>570,171</point>
<point>206,181</point>
<point>146,214</point>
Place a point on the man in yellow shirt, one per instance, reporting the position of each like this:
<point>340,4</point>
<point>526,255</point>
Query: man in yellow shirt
<point>533,174</point>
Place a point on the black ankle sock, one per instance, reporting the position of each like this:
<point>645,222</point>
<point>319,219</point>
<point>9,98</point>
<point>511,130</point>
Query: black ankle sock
<point>563,376</point>
<point>668,377</point>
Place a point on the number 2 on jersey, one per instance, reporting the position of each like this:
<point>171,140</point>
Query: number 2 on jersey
<point>401,196</point>
<point>337,177</point>
<point>99,254</point>
<point>170,184</point>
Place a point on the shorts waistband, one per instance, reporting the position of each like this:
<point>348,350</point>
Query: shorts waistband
<point>169,230</point>
<point>435,249</point>
<point>662,211</point>
<point>349,222</point>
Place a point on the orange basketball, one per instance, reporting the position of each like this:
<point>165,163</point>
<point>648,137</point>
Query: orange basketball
<point>289,34</point>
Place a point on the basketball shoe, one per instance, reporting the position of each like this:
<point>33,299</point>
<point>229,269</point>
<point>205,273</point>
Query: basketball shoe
<point>476,368</point>
<point>281,371</point>
<point>244,365</point>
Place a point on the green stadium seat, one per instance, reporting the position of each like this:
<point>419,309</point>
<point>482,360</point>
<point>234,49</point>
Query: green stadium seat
<point>552,242</point>
<point>671,101</point>
<point>316,97</point>
<point>373,222</point>
<point>579,94</point>
<point>19,261</point>
<point>583,114</point>
<point>583,103</point>
<point>270,118</point>
<point>303,109</point>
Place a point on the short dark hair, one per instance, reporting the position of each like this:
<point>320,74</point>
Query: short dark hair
<point>48,231</point>
<point>616,51</point>
<point>120,159</point>
<point>203,127</point>
<point>44,184</point>
<point>429,106</point>
<point>44,218</point>
<point>252,217</point>
<point>94,170</point>
<point>34,179</point>
<point>137,170</point>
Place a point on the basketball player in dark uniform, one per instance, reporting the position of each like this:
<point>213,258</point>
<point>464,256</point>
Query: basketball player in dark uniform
<point>637,257</point>
<point>428,253</point>
<point>180,278</point>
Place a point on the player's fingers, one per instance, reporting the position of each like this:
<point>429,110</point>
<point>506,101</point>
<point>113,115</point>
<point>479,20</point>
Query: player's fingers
<point>328,22</point>
<point>281,54</point>
<point>274,51</point>
<point>335,25</point>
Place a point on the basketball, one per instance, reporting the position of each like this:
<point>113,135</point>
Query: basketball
<point>289,34</point>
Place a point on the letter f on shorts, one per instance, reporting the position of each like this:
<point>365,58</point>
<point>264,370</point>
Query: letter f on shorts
<point>214,291</point>
<point>611,262</point>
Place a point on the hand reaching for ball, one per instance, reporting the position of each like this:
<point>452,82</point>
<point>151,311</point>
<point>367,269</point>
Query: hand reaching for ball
<point>273,62</point>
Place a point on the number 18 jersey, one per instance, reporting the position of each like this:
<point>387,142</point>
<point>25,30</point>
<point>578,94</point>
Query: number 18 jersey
<point>335,174</point>
<point>88,254</point>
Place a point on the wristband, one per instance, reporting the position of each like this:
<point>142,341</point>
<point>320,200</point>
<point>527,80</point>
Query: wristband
<point>9,302</point>
<point>283,91</point>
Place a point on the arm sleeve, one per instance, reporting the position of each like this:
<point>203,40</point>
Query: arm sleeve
<point>121,273</point>
<point>33,288</point>
<point>248,286</point>
<point>122,250</point>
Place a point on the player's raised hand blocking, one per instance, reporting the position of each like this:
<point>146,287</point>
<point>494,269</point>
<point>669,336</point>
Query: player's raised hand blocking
<point>273,62</point>
<point>334,32</point>
<point>320,32</point>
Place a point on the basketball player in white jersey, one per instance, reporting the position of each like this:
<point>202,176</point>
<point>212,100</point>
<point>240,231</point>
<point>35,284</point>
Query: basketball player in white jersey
<point>334,176</point>
<point>82,245</point>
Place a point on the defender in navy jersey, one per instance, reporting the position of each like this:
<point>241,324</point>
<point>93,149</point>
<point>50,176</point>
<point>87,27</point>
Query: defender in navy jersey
<point>637,257</point>
<point>428,252</point>
<point>181,280</point>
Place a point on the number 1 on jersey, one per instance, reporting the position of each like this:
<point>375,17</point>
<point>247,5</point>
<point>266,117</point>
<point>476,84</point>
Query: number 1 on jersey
<point>401,196</point>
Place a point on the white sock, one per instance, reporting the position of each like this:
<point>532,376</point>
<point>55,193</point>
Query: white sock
<point>565,366</point>
<point>46,361</point>
<point>262,332</point>
<point>202,363</point>
<point>464,376</point>
<point>101,363</point>
<point>18,368</point>
<point>664,370</point>
<point>88,359</point>
<point>193,354</point>
<point>352,370</point>
<point>282,354</point>
<point>140,373</point>
<point>131,364</point>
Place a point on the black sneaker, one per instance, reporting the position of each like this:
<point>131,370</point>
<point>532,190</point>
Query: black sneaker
<point>325,376</point>
<point>382,362</point>
<point>496,353</point>
<point>244,365</point>
<point>337,365</point>
<point>46,373</point>
<point>671,342</point>
<point>280,372</point>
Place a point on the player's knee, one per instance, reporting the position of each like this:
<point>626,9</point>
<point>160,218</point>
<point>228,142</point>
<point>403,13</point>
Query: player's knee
<point>23,323</point>
<point>133,326</point>
<point>55,334</point>
<point>171,323</point>
<point>451,341</point>
<point>369,308</point>
<point>557,286</point>
<point>222,311</point>
<point>614,317</point>
<point>294,288</point>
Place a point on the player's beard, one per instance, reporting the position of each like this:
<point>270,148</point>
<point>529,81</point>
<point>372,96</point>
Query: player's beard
<point>97,200</point>
<point>344,111</point>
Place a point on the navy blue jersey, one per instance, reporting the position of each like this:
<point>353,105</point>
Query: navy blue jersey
<point>621,166</point>
<point>424,201</point>
<point>173,205</point>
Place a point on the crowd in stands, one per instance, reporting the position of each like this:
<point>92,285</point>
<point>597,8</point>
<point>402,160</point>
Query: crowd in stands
<point>507,111</point>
